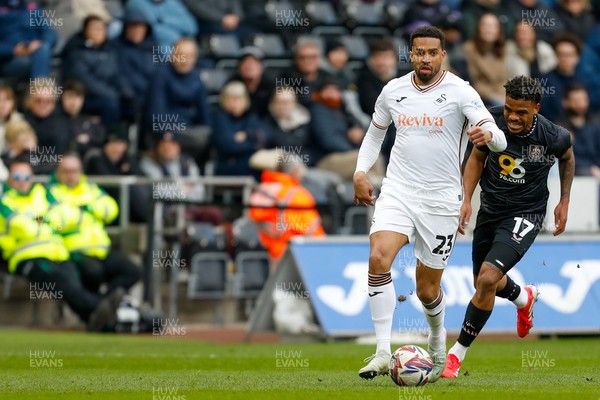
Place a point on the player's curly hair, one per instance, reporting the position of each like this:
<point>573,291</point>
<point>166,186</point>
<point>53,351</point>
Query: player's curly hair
<point>524,88</point>
<point>428,32</point>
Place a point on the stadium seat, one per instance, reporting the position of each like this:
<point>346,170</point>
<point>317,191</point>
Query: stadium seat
<point>322,33</point>
<point>214,79</point>
<point>224,46</point>
<point>270,43</point>
<point>252,271</point>
<point>356,221</point>
<point>321,13</point>
<point>245,235</point>
<point>357,47</point>
<point>208,276</point>
<point>371,32</point>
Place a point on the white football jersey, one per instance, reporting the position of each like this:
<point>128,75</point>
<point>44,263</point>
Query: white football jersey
<point>431,124</point>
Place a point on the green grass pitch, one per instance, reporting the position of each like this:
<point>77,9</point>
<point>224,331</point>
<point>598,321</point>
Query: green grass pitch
<point>53,365</point>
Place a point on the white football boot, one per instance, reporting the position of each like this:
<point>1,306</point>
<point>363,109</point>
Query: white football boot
<point>438,356</point>
<point>378,364</point>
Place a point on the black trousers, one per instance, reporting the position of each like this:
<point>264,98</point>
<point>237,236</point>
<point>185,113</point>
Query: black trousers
<point>116,270</point>
<point>59,281</point>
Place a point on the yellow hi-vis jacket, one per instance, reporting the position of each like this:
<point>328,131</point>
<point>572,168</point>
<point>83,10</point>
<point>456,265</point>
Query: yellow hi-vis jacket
<point>31,225</point>
<point>98,208</point>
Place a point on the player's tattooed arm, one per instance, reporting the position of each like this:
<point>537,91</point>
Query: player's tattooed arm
<point>473,171</point>
<point>566,167</point>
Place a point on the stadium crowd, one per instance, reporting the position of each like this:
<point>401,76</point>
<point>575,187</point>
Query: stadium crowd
<point>231,88</point>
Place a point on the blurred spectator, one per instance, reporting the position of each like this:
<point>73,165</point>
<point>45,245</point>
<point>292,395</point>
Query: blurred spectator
<point>337,136</point>
<point>135,53</point>
<point>336,62</point>
<point>278,226</point>
<point>170,21</point>
<point>456,60</point>
<point>544,20</point>
<point>260,86</point>
<point>219,16</point>
<point>473,10</point>
<point>431,11</point>
<point>88,131</point>
<point>567,48</point>
<point>8,111</point>
<point>585,132</point>
<point>167,160</point>
<point>35,251</point>
<point>486,60</point>
<point>91,59</point>
<point>113,159</point>
<point>51,126</point>
<point>178,99</point>
<point>288,128</point>
<point>587,69</point>
<point>528,56</point>
<point>89,245</point>
<point>26,39</point>
<point>576,17</point>
<point>21,141</point>
<point>236,133</point>
<point>380,68</point>
<point>307,74</point>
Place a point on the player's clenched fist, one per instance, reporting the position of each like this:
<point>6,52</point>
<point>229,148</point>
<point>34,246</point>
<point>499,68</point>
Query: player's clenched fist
<point>363,190</point>
<point>479,136</point>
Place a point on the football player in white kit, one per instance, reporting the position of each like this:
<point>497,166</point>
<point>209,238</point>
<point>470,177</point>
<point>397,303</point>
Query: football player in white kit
<point>435,114</point>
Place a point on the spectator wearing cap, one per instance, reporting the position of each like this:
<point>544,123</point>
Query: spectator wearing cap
<point>335,63</point>
<point>178,99</point>
<point>170,21</point>
<point>237,132</point>
<point>219,16</point>
<point>91,59</point>
<point>307,75</point>
<point>114,159</point>
<point>337,136</point>
<point>27,40</point>
<point>135,53</point>
<point>259,84</point>
<point>88,132</point>
<point>567,48</point>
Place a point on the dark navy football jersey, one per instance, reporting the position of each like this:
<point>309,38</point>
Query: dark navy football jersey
<point>516,180</point>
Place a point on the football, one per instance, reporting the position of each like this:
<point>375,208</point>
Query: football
<point>410,365</point>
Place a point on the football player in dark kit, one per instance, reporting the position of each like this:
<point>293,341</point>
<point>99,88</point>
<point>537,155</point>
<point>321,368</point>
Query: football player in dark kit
<point>514,195</point>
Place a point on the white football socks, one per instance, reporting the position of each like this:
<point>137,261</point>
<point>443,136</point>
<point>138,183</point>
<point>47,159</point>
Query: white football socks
<point>382,302</point>
<point>435,318</point>
<point>521,300</point>
<point>459,351</point>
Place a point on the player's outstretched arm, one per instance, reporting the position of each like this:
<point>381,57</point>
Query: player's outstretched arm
<point>473,171</point>
<point>367,155</point>
<point>566,167</point>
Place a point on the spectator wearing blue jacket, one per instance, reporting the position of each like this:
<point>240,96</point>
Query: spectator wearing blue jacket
<point>170,21</point>
<point>587,69</point>
<point>26,40</point>
<point>177,99</point>
<point>92,60</point>
<point>135,53</point>
<point>237,132</point>
<point>567,48</point>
